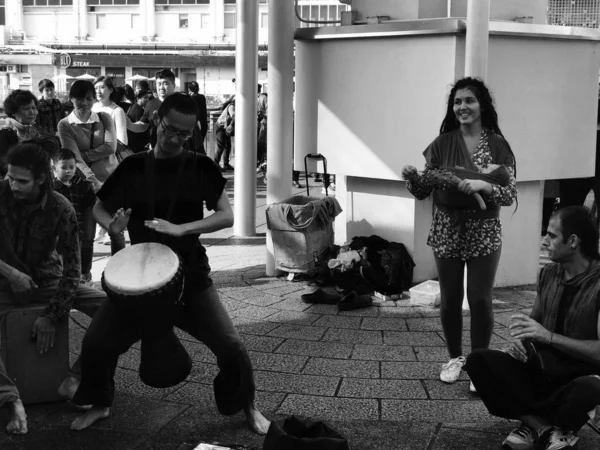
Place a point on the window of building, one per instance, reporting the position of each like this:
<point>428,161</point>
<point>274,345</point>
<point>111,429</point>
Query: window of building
<point>204,20</point>
<point>182,2</point>
<point>581,13</point>
<point>101,22</point>
<point>264,20</point>
<point>113,2</point>
<point>2,12</point>
<point>47,2</point>
<point>135,21</point>
<point>230,2</point>
<point>230,17</point>
<point>183,20</point>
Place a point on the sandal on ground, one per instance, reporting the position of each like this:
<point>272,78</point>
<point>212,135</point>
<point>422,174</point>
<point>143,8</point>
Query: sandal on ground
<point>354,301</point>
<point>320,296</point>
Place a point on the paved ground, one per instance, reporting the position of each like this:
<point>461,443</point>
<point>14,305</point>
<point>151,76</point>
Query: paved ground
<point>372,374</point>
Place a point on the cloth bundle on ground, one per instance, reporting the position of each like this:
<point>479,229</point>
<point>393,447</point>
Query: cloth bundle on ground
<point>385,266</point>
<point>302,433</point>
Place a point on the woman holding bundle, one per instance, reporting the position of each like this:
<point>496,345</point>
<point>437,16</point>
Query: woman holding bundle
<point>470,168</point>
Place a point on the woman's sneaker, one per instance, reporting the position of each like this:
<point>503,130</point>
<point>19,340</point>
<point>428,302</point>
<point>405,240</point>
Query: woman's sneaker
<point>522,438</point>
<point>556,439</point>
<point>451,370</point>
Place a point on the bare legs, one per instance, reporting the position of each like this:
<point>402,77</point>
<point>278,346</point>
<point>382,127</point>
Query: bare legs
<point>256,420</point>
<point>18,418</point>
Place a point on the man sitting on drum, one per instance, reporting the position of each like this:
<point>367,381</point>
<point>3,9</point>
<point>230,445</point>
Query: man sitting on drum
<point>159,196</point>
<point>39,258</point>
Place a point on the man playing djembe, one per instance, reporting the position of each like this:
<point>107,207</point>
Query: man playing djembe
<point>173,183</point>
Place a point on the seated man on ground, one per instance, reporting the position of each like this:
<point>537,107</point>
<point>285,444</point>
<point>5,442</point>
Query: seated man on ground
<point>548,377</point>
<point>174,183</point>
<point>39,258</point>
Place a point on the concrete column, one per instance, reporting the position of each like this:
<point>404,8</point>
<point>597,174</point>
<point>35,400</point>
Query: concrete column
<point>281,111</point>
<point>478,27</point>
<point>246,68</point>
<point>150,18</point>
<point>83,19</point>
<point>217,10</point>
<point>14,16</point>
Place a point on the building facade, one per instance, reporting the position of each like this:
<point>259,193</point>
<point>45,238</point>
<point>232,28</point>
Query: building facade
<point>60,39</point>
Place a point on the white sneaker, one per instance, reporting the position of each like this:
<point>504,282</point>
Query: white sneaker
<point>472,388</point>
<point>451,370</point>
<point>558,439</point>
<point>106,239</point>
<point>521,438</point>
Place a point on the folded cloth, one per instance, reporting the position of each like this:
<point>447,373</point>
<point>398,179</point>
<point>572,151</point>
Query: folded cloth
<point>354,301</point>
<point>320,296</point>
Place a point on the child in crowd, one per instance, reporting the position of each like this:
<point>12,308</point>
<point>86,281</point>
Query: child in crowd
<point>71,183</point>
<point>50,109</point>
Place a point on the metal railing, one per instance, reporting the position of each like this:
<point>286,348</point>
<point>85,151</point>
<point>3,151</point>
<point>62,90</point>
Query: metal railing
<point>574,13</point>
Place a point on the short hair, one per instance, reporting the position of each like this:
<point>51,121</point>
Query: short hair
<point>81,88</point>
<point>45,83</point>
<point>129,93</point>
<point>31,155</point>
<point>259,87</point>
<point>16,99</point>
<point>143,94</point>
<point>577,220</point>
<point>108,82</point>
<point>64,154</point>
<point>165,74</point>
<point>143,84</point>
<point>180,102</point>
<point>193,86</point>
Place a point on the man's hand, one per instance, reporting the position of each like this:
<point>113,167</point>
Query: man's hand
<point>119,221</point>
<point>409,173</point>
<point>45,330</point>
<point>524,327</point>
<point>517,350</point>
<point>21,285</point>
<point>162,226</point>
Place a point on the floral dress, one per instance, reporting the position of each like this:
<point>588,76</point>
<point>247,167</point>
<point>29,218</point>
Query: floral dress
<point>482,236</point>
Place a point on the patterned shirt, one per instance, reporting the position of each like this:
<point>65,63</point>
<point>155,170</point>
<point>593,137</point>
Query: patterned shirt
<point>482,236</point>
<point>80,193</point>
<point>42,238</point>
<point>49,114</point>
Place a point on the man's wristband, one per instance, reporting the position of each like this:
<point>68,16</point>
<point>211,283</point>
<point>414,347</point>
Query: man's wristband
<point>550,341</point>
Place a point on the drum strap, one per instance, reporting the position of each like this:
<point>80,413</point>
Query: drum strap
<point>151,180</point>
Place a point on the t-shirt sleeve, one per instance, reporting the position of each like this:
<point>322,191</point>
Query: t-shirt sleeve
<point>113,193</point>
<point>214,182</point>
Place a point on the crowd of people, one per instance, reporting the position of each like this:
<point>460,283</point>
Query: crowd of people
<point>62,175</point>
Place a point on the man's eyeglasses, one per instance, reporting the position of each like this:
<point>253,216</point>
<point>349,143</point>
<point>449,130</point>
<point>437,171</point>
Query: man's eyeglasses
<point>172,132</point>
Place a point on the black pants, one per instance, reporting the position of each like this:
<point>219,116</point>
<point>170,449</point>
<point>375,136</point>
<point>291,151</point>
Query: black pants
<point>223,145</point>
<point>109,335</point>
<point>508,389</point>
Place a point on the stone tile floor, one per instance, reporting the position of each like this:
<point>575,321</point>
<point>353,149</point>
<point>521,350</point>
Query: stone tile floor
<point>372,374</point>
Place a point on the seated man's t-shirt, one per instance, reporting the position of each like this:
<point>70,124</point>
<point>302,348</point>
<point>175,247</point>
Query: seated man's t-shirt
<point>199,181</point>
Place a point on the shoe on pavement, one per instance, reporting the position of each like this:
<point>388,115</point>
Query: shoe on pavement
<point>451,370</point>
<point>296,184</point>
<point>228,166</point>
<point>521,438</point>
<point>472,388</point>
<point>555,439</point>
<point>106,239</point>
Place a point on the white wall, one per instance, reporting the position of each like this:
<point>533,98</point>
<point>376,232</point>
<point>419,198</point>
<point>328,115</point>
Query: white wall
<point>507,9</point>
<point>118,30</point>
<point>395,9</point>
<point>50,25</point>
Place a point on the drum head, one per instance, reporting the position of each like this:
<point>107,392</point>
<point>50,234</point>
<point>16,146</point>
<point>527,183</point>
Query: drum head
<point>141,268</point>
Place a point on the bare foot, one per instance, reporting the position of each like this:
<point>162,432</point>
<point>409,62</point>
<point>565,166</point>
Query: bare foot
<point>95,414</point>
<point>18,421</point>
<point>68,387</point>
<point>257,421</point>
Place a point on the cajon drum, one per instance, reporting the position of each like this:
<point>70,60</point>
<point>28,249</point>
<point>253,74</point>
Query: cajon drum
<point>36,375</point>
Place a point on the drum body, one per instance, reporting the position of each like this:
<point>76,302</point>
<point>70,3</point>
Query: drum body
<point>145,283</point>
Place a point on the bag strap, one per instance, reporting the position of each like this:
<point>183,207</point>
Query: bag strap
<point>93,130</point>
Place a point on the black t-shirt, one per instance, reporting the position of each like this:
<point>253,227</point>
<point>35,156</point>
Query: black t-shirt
<point>200,182</point>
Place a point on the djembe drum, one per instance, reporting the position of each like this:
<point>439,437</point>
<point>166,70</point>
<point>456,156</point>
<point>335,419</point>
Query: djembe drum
<point>145,284</point>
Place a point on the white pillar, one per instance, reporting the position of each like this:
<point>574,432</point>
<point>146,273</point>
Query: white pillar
<point>150,18</point>
<point>217,10</point>
<point>246,68</point>
<point>83,19</point>
<point>478,27</point>
<point>14,16</point>
<point>281,111</point>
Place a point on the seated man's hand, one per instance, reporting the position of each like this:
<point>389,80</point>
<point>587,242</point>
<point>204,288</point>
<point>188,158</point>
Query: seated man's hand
<point>524,327</point>
<point>21,285</point>
<point>44,330</point>
<point>516,349</point>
